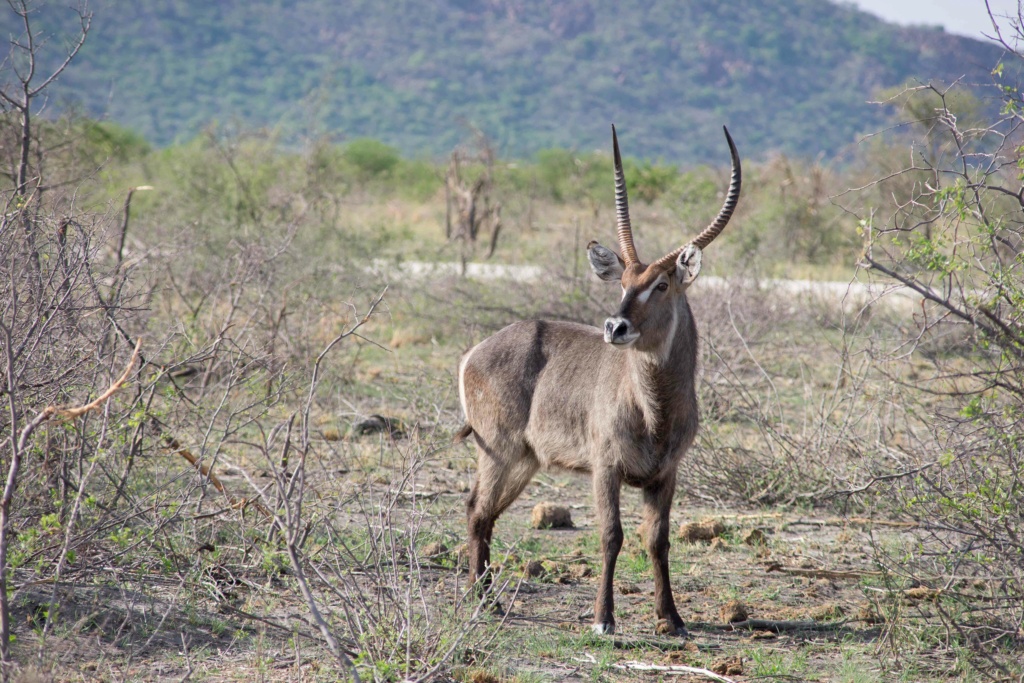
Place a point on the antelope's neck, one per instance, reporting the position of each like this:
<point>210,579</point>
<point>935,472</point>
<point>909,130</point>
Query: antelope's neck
<point>662,381</point>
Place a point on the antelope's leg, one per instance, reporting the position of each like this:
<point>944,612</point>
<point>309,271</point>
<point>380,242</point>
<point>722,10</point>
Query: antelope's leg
<point>657,505</point>
<point>480,527</point>
<point>606,500</point>
<point>499,481</point>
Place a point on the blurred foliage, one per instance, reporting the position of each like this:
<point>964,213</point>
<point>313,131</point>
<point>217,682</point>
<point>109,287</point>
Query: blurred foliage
<point>788,76</point>
<point>224,184</point>
<point>787,225</point>
<point>371,158</point>
<point>108,140</point>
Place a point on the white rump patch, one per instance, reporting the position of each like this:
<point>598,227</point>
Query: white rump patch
<point>462,378</point>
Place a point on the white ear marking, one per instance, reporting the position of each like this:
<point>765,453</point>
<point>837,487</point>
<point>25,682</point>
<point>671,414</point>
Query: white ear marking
<point>688,264</point>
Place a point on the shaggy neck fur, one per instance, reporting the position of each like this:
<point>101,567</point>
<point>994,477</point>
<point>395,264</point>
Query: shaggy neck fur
<point>655,375</point>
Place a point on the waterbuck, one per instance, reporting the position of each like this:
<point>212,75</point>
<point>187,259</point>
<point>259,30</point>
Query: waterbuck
<point>618,403</point>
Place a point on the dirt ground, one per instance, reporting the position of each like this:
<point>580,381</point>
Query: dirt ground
<point>799,578</point>
<point>804,580</point>
<point>228,607</point>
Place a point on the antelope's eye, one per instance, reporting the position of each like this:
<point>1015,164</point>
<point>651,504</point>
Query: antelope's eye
<point>662,286</point>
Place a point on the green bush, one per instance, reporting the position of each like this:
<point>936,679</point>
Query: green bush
<point>111,141</point>
<point>647,181</point>
<point>417,179</point>
<point>371,158</point>
<point>554,169</point>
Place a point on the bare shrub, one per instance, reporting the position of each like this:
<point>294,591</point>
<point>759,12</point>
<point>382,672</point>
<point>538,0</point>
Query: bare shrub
<point>198,507</point>
<point>469,204</point>
<point>949,226</point>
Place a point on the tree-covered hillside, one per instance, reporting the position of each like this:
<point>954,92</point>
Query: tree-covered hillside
<point>793,75</point>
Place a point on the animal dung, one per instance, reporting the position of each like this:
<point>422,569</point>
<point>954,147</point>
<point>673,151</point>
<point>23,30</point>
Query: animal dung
<point>733,611</point>
<point>732,666</point>
<point>551,516</point>
<point>827,612</point>
<point>435,549</point>
<point>580,571</point>
<point>869,615</point>
<point>560,572</point>
<point>533,569</point>
<point>706,529</point>
<point>377,424</point>
<point>912,595</point>
<point>754,537</point>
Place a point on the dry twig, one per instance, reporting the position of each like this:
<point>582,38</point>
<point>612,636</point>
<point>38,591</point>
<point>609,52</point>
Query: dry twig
<point>672,670</point>
<point>175,446</point>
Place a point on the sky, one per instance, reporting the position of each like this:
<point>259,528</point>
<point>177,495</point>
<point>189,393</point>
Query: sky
<point>966,17</point>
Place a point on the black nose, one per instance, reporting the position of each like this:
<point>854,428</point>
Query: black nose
<point>615,328</point>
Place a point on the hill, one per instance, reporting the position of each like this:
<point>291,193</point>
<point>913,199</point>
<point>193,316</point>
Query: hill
<point>789,75</point>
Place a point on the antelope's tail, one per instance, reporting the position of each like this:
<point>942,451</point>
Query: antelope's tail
<point>462,434</point>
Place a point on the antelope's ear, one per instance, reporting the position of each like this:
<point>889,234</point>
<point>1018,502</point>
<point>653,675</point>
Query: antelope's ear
<point>605,263</point>
<point>688,264</point>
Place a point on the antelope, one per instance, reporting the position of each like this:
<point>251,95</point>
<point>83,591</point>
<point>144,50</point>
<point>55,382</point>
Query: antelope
<point>618,404</point>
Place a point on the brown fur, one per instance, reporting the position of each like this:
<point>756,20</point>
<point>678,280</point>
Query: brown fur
<point>462,434</point>
<point>618,405</point>
<point>556,395</point>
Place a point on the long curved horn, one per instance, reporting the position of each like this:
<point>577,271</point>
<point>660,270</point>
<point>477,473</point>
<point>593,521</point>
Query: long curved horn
<point>712,231</point>
<point>622,208</point>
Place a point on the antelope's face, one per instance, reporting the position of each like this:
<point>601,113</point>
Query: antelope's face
<point>652,295</point>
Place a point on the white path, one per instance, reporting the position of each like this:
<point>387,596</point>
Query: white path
<point>850,295</point>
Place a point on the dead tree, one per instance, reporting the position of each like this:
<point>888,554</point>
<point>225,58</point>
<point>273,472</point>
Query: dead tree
<point>17,98</point>
<point>469,204</point>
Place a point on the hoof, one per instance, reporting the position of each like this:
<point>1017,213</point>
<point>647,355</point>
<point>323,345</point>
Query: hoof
<point>666,627</point>
<point>606,628</point>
